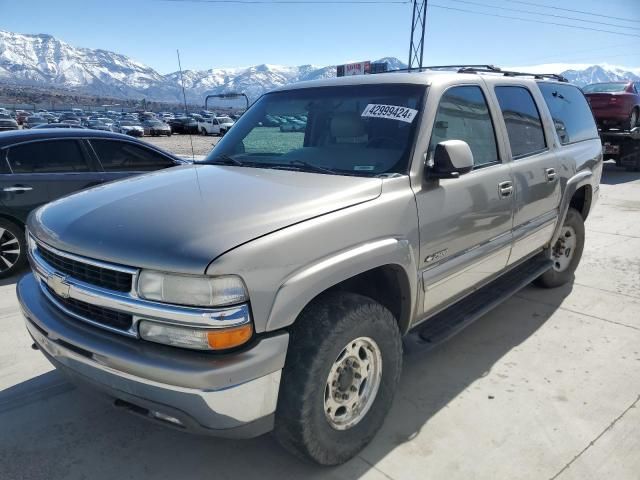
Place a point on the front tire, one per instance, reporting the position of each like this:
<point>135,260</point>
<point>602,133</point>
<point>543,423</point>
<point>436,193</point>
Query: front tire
<point>566,252</point>
<point>13,248</point>
<point>343,367</point>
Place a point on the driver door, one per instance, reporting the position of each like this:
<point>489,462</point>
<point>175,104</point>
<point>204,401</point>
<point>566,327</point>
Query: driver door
<point>465,222</point>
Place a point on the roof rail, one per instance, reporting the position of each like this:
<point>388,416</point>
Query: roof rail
<point>483,69</point>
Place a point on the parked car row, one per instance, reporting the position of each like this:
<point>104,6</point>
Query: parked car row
<point>134,124</point>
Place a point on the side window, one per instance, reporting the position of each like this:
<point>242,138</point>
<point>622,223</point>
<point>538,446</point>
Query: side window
<point>126,157</point>
<point>571,113</point>
<point>463,114</point>
<point>521,116</point>
<point>53,156</point>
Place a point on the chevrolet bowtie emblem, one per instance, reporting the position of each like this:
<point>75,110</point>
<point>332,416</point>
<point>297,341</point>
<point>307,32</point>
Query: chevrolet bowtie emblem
<point>58,284</point>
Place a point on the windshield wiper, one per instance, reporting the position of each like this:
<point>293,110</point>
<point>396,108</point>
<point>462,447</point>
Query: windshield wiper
<point>225,159</point>
<point>311,166</point>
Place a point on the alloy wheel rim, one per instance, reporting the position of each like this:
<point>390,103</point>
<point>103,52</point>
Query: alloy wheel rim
<point>9,249</point>
<point>353,383</point>
<point>564,249</point>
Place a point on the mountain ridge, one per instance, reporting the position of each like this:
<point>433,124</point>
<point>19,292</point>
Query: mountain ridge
<point>42,60</point>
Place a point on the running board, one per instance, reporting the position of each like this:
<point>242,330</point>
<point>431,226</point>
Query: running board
<point>447,323</point>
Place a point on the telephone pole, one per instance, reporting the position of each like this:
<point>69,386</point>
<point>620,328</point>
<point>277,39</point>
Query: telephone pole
<point>418,25</point>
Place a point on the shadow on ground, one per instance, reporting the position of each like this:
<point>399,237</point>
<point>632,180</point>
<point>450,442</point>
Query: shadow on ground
<point>614,175</point>
<point>51,430</point>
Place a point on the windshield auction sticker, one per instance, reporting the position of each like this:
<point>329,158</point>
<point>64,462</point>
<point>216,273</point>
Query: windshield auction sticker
<point>404,114</point>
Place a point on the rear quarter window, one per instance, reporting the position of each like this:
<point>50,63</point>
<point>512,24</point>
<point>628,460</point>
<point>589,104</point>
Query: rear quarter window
<point>522,119</point>
<point>572,117</point>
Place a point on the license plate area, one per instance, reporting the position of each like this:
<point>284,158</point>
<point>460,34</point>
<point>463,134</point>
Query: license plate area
<point>609,149</point>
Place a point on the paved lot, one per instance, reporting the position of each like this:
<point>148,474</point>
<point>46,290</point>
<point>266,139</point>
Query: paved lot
<point>181,144</point>
<point>546,386</point>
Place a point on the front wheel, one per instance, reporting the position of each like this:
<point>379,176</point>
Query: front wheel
<point>566,252</point>
<point>13,248</point>
<point>343,367</point>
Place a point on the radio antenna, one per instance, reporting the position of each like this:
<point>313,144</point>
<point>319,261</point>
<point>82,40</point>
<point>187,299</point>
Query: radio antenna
<point>184,97</point>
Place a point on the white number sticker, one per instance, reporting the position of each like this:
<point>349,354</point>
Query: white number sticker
<point>404,114</point>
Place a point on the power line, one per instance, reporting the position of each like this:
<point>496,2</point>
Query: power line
<point>529,12</point>
<point>562,56</point>
<point>534,4</point>
<point>299,2</point>
<point>532,20</point>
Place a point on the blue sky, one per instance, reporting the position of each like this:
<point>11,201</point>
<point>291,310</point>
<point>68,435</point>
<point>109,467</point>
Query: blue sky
<point>229,35</point>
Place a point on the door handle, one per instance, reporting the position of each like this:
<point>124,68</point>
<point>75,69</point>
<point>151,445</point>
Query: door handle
<point>17,189</point>
<point>505,188</point>
<point>551,174</point>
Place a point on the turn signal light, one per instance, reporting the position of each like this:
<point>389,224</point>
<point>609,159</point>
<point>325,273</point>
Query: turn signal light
<point>229,337</point>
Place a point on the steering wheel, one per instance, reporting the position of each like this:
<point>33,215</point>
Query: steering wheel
<point>377,141</point>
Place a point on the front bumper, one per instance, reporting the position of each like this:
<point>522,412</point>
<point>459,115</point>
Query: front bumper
<point>230,395</point>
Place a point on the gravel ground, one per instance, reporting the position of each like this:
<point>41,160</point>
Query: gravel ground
<point>181,145</point>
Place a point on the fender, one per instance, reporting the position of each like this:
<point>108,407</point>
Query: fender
<point>307,283</point>
<point>579,180</point>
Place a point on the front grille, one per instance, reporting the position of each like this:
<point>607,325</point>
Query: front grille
<point>85,272</point>
<point>101,315</point>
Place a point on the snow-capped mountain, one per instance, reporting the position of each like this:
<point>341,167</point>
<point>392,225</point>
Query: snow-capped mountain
<point>46,62</point>
<point>42,60</point>
<point>584,74</point>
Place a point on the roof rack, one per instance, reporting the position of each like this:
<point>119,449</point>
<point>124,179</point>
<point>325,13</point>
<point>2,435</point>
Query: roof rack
<point>484,69</point>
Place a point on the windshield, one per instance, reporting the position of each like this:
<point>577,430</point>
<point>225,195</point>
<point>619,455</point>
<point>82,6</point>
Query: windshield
<point>129,123</point>
<point>224,120</point>
<point>604,87</point>
<point>365,130</point>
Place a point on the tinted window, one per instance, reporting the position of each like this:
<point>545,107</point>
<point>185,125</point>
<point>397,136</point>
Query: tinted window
<point>124,156</point>
<point>522,119</point>
<point>571,113</point>
<point>56,156</point>
<point>463,114</point>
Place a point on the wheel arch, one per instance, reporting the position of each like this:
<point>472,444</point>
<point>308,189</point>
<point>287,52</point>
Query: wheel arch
<point>581,180</point>
<point>381,270</point>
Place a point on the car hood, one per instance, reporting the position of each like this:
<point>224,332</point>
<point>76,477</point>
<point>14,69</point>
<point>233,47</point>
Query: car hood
<point>131,127</point>
<point>182,218</point>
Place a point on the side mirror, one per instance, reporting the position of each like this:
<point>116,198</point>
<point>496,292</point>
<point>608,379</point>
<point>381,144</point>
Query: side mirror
<point>451,159</point>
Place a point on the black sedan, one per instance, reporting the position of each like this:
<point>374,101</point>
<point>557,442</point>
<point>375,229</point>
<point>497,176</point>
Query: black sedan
<point>38,166</point>
<point>183,125</point>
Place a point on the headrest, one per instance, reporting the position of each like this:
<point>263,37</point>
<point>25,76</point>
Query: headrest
<point>347,125</point>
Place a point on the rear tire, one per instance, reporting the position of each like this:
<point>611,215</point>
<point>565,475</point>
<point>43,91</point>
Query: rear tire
<point>633,120</point>
<point>13,248</point>
<point>566,253</point>
<point>343,367</point>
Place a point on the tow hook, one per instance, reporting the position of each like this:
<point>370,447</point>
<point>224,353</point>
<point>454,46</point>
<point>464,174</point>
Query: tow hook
<point>34,346</point>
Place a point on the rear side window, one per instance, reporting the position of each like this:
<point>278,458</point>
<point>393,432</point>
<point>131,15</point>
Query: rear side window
<point>571,113</point>
<point>463,114</point>
<point>126,157</point>
<point>56,156</point>
<point>522,119</point>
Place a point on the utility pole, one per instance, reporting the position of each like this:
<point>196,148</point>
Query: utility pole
<point>418,25</point>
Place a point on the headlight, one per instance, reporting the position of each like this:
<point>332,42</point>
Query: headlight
<point>193,290</point>
<point>195,338</point>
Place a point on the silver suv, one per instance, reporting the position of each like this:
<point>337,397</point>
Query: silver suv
<point>274,285</point>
